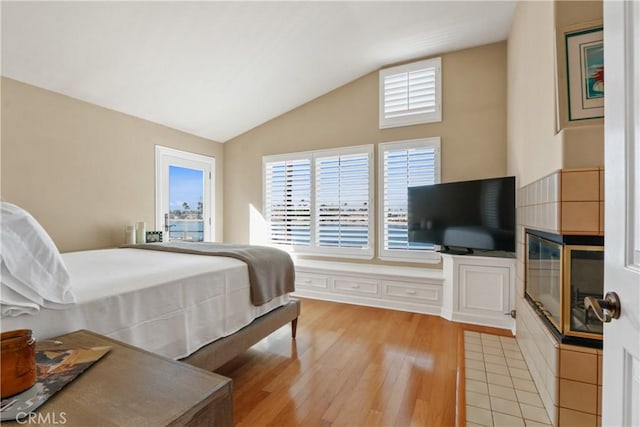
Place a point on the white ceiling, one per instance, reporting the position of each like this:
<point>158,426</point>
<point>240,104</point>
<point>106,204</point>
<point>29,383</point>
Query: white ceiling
<point>218,69</point>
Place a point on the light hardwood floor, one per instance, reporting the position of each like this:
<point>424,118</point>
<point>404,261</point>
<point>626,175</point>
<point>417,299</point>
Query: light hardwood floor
<point>351,365</point>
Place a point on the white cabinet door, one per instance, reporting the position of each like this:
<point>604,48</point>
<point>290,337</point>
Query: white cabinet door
<point>479,290</point>
<point>484,290</point>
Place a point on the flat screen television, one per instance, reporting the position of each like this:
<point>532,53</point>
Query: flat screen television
<point>466,215</point>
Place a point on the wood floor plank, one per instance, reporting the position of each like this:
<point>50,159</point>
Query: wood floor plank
<point>420,414</point>
<point>351,365</point>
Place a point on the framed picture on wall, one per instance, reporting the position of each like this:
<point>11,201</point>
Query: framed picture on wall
<point>585,73</point>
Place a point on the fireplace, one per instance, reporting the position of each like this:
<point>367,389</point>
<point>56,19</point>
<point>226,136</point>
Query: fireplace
<point>560,271</point>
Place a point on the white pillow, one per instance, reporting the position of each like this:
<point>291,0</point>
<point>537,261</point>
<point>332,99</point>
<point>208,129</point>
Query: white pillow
<point>32,266</point>
<point>13,304</point>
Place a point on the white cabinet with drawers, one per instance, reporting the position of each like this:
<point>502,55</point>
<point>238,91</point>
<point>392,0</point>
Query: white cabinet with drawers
<point>470,289</point>
<point>412,289</point>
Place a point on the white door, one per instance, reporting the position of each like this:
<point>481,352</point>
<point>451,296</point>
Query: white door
<point>621,365</point>
<point>184,195</point>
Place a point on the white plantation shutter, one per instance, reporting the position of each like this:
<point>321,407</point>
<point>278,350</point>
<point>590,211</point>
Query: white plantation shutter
<point>342,201</point>
<point>320,202</point>
<point>410,94</point>
<point>288,201</point>
<point>402,165</point>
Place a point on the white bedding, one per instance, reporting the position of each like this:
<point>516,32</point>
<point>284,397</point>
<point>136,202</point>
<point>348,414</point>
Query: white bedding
<point>167,303</point>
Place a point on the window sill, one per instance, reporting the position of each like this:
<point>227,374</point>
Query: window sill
<point>391,272</point>
<point>418,119</point>
<point>426,259</point>
<point>367,256</point>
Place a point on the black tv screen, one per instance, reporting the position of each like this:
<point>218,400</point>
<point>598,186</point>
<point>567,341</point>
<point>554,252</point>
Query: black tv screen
<point>478,214</point>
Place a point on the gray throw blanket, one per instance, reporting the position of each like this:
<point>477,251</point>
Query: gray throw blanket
<point>271,271</point>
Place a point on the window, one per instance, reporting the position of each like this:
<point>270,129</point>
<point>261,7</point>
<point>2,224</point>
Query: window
<point>320,202</point>
<point>410,94</point>
<point>402,165</point>
<point>185,196</point>
<point>288,201</point>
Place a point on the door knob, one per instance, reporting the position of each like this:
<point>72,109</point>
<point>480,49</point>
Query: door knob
<point>604,309</point>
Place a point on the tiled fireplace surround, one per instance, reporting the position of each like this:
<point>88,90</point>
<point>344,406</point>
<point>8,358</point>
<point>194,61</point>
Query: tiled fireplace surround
<point>568,377</point>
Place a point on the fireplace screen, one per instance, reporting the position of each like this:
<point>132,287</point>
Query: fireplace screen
<point>558,278</point>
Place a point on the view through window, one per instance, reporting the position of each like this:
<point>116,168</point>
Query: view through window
<point>186,190</point>
<point>321,201</point>
<point>404,164</point>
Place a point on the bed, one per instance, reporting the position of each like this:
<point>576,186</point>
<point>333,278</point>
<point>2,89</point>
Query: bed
<point>191,307</point>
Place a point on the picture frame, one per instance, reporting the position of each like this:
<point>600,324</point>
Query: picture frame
<point>154,236</point>
<point>585,73</point>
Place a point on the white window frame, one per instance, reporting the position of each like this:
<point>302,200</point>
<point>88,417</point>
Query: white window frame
<point>411,117</point>
<point>429,257</point>
<point>313,248</point>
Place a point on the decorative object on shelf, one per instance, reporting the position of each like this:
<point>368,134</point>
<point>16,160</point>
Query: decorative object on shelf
<point>55,369</point>
<point>18,361</point>
<point>129,234</point>
<point>154,236</point>
<point>141,236</point>
<point>585,73</point>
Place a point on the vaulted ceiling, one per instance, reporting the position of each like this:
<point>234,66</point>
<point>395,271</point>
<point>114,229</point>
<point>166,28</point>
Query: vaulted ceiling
<point>218,69</point>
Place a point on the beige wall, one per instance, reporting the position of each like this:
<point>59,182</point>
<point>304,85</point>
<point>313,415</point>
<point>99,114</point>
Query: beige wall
<point>534,150</point>
<point>473,131</point>
<point>540,138</point>
<point>571,16</point>
<point>583,147</point>
<point>85,171</point>
<point>582,140</point>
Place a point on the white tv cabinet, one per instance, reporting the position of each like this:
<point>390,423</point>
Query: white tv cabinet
<point>470,289</point>
<point>479,290</point>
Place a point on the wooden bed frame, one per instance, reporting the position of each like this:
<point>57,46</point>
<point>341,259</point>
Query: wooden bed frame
<point>216,354</point>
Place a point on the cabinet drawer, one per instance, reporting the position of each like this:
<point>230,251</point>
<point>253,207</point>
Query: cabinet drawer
<point>355,285</point>
<point>312,281</point>
<point>412,292</point>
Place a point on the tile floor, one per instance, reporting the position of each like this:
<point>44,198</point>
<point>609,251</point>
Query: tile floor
<point>499,389</point>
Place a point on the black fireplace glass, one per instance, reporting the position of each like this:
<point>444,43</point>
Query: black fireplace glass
<point>586,276</point>
<point>544,277</point>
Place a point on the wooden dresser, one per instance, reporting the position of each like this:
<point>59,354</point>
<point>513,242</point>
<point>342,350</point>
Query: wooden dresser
<point>132,387</point>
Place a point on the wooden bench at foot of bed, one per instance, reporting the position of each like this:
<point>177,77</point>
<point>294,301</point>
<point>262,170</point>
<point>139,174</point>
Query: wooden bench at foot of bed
<point>216,354</point>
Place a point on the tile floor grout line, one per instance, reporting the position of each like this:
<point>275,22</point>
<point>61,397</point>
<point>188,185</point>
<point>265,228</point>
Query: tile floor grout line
<point>516,401</point>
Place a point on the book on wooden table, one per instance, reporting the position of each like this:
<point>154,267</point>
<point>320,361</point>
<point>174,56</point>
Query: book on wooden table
<point>55,369</point>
